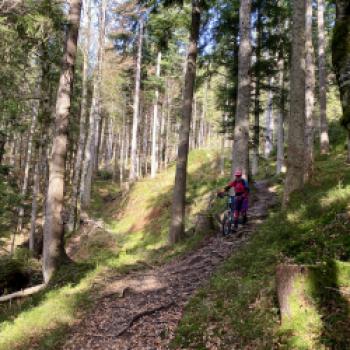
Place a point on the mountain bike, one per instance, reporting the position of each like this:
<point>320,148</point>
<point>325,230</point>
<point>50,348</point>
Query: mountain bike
<point>228,219</point>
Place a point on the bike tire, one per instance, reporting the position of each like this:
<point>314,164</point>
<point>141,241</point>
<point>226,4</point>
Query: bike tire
<point>226,225</point>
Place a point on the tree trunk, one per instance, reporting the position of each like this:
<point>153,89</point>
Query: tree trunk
<point>36,189</point>
<point>201,131</point>
<point>256,140</point>
<point>53,252</point>
<point>324,138</point>
<point>89,154</point>
<point>122,147</point>
<point>194,123</point>
<point>341,57</point>
<point>136,107</point>
<point>91,146</point>
<point>27,166</point>
<point>269,123</point>
<point>223,139</point>
<point>127,148</point>
<point>309,94</point>
<point>75,206</point>
<point>98,136</point>
<point>179,194</point>
<point>162,138</point>
<point>146,121</point>
<point>3,139</point>
<point>280,120</point>
<point>98,119</point>
<point>240,155</point>
<point>168,125</point>
<point>296,122</point>
<point>348,147</point>
<point>155,124</point>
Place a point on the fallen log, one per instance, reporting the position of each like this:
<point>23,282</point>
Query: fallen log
<point>23,293</point>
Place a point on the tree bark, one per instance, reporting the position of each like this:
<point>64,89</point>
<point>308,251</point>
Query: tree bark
<point>240,154</point>
<point>255,158</point>
<point>201,131</point>
<point>75,206</point>
<point>223,139</point>
<point>91,145</point>
<point>296,122</point>
<point>269,122</point>
<point>3,139</point>
<point>27,167</point>
<point>155,124</point>
<point>136,107</point>
<point>98,118</point>
<point>194,124</point>
<point>35,193</point>
<point>341,57</point>
<point>280,120</point>
<point>179,195</point>
<point>168,125</point>
<point>324,138</point>
<point>309,94</point>
<point>348,147</point>
<point>89,154</point>
<point>53,252</point>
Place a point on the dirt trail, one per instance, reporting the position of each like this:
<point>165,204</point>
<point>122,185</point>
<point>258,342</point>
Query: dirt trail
<point>142,310</point>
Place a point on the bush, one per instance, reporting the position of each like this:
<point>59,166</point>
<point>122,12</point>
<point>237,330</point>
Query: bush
<point>105,175</point>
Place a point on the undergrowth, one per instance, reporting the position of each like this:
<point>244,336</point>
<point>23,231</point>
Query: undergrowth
<point>239,307</point>
<point>134,236</point>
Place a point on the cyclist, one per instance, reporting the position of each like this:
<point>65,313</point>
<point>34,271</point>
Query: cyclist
<point>238,202</point>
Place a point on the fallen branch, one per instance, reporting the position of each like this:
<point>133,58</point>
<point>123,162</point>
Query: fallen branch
<point>23,293</point>
<point>133,320</point>
<point>142,314</point>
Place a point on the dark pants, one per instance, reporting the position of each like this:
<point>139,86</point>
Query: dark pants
<point>239,205</point>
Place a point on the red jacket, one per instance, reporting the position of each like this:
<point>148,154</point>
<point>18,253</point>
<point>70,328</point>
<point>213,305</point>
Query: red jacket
<point>240,187</point>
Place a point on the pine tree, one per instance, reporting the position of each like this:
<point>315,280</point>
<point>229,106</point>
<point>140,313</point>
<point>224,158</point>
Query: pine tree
<point>179,194</point>
<point>296,122</point>
<point>53,250</point>
<point>240,154</point>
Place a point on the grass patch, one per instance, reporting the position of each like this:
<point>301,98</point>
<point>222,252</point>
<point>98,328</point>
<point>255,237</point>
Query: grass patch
<point>239,308</point>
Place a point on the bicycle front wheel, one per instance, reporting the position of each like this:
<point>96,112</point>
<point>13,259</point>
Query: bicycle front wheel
<point>226,225</point>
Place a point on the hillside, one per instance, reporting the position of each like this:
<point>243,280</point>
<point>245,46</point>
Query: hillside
<point>128,232</point>
<point>239,307</point>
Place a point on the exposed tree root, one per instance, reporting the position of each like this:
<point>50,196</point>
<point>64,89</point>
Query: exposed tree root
<point>134,319</point>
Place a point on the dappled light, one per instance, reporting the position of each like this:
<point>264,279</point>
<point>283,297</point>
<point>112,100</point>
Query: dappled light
<point>174,175</point>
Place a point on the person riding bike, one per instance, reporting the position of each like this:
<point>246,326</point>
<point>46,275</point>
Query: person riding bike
<point>238,202</point>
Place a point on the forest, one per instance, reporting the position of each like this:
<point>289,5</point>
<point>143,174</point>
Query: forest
<point>126,127</point>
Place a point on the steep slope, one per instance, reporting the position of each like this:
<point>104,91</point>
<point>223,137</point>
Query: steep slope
<point>239,308</point>
<point>126,233</point>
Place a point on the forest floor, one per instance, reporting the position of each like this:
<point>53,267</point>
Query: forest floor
<point>239,309</point>
<point>128,289</point>
<point>126,232</point>
<point>141,310</point>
